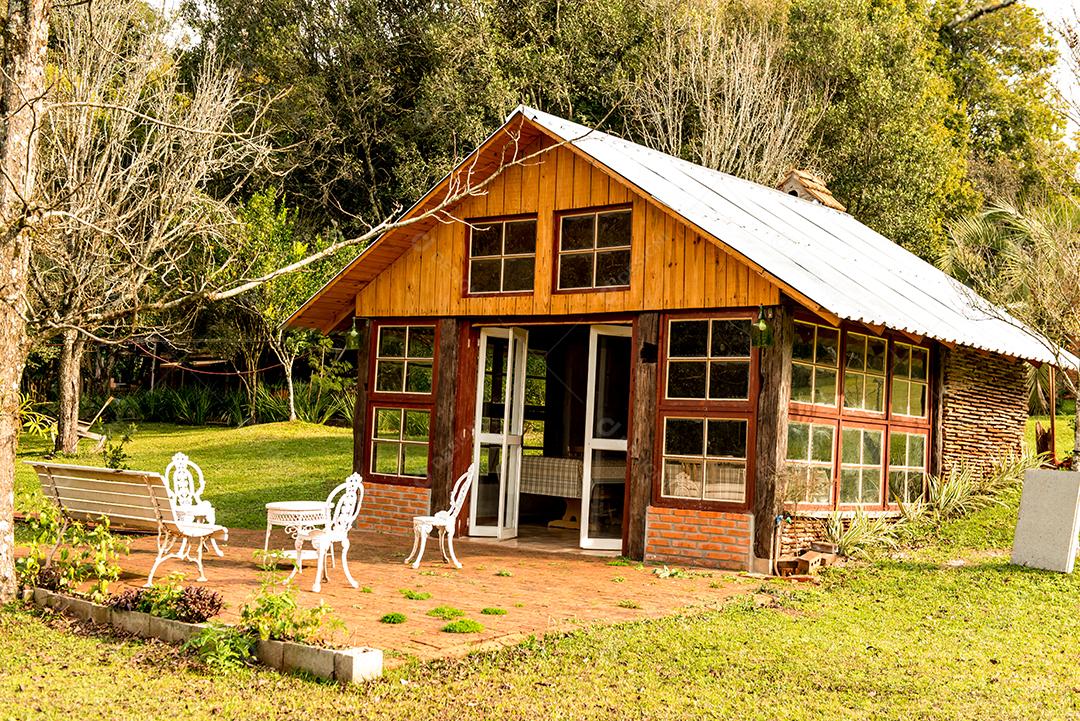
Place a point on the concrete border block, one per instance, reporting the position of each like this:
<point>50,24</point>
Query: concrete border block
<point>1049,521</point>
<point>172,631</point>
<point>136,623</point>
<point>312,659</point>
<point>270,653</point>
<point>358,664</point>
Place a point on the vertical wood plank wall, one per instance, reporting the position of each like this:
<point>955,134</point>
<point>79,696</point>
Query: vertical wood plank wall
<point>671,265</point>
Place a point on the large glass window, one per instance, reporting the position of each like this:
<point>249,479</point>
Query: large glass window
<point>810,462</point>
<point>404,358</point>
<point>502,256</point>
<point>708,359</point>
<point>705,459</point>
<point>907,466</point>
<point>594,250</point>
<point>910,376</point>
<point>860,466</point>
<point>399,442</point>
<point>864,373</point>
<point>815,358</point>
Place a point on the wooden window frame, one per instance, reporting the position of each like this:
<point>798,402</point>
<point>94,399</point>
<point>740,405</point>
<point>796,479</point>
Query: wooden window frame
<point>471,223</point>
<point>400,442</point>
<point>704,458</point>
<point>707,359</point>
<point>556,251</point>
<point>864,372</point>
<point>909,380</point>
<point>889,467</point>
<point>838,369</point>
<point>376,334</point>
<point>809,463</point>
<point>858,425</point>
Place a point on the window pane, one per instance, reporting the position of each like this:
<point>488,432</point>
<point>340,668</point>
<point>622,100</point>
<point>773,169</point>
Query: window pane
<point>824,387</point>
<point>390,376</point>
<point>418,377</point>
<point>612,268</point>
<point>388,423</point>
<point>798,441</point>
<point>686,379</point>
<point>730,339</point>
<point>875,393</point>
<point>391,342</point>
<point>849,486</point>
<point>486,240</point>
<point>803,347</point>
<point>856,351</point>
<point>898,449</point>
<point>727,439</point>
<point>802,389</point>
<point>901,360</point>
<point>613,229</point>
<point>899,396</point>
<point>828,346</point>
<point>416,457</point>
<point>384,458</point>
<point>421,342</point>
<point>820,490</point>
<point>575,271</point>
<point>682,478</point>
<point>689,339</point>
<point>725,481</point>
<point>484,276</point>
<point>871,485</point>
<point>849,442</point>
<point>918,363</point>
<point>416,425</point>
<point>917,450</point>
<point>684,437</point>
<point>520,237</point>
<point>729,379</point>
<point>518,273</point>
<point>875,354</point>
<point>871,448</point>
<point>897,486</point>
<point>918,399</point>
<point>822,443</point>
<point>577,232</point>
<point>853,390</point>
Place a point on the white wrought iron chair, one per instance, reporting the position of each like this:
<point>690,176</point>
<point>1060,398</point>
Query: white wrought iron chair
<point>344,503</point>
<point>444,521</point>
<point>185,492</point>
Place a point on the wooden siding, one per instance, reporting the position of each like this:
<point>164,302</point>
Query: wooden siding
<point>672,267</point>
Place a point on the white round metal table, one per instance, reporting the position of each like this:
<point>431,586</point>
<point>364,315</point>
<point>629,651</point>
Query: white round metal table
<point>294,517</point>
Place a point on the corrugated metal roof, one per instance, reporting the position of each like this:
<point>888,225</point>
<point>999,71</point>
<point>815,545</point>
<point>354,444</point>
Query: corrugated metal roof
<point>828,256</point>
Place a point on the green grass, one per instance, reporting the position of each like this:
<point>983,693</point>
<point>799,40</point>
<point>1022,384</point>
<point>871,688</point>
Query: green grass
<point>493,611</point>
<point>463,625</point>
<point>1063,433</point>
<point>393,618</point>
<point>415,595</point>
<point>446,613</point>
<point>245,468</point>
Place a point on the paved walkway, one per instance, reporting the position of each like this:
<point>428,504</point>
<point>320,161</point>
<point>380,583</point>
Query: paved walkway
<point>540,591</point>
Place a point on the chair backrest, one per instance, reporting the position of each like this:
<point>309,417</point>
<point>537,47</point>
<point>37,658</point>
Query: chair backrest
<point>460,491</point>
<point>131,500</point>
<point>184,481</point>
<point>345,502</point>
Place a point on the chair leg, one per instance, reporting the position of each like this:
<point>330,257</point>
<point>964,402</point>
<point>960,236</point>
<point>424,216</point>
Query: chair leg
<point>442,545</point>
<point>415,544</point>
<point>213,542</point>
<point>320,570</point>
<point>450,546</point>
<point>165,544</point>
<point>345,563</point>
<point>298,562</point>
<point>423,542</point>
<point>198,559</point>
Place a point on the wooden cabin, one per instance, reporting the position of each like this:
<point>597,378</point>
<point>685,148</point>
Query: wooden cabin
<point>650,357</point>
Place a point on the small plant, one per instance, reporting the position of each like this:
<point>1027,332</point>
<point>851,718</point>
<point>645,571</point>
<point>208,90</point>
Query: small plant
<point>519,604</point>
<point>492,611</point>
<point>415,595</point>
<point>621,561</point>
<point>393,618</point>
<point>191,604</point>
<point>75,555</point>
<point>666,572</point>
<point>627,603</point>
<point>31,420</point>
<point>113,454</point>
<point>275,614</point>
<point>463,625</point>
<point>221,648</point>
<point>446,612</point>
<point>857,534</point>
<point>503,572</point>
<point>365,589</point>
<point>618,579</point>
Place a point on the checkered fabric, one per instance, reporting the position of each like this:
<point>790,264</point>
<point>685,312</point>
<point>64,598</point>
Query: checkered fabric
<point>547,476</point>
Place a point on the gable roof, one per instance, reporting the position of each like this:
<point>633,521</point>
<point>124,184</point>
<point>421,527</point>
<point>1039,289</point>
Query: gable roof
<point>842,267</point>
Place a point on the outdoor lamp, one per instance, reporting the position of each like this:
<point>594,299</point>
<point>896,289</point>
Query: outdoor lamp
<point>352,338</point>
<point>761,335</point>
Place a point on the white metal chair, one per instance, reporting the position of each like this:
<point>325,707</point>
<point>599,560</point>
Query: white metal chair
<point>344,502</point>
<point>186,493</point>
<point>444,521</point>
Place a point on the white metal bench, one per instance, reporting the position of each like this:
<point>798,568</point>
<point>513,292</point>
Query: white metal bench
<point>130,500</point>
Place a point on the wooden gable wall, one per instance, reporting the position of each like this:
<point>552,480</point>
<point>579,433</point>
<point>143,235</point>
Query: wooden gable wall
<point>672,267</point>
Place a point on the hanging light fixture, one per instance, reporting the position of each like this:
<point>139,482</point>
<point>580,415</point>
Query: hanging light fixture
<point>761,334</point>
<point>352,338</point>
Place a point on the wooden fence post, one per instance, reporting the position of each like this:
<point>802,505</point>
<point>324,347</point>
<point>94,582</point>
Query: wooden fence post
<point>774,393</point>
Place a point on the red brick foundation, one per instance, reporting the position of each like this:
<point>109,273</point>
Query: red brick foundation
<point>799,533</point>
<point>698,538</point>
<point>390,508</point>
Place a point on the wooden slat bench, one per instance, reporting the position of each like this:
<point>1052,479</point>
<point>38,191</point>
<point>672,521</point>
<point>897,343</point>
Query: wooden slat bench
<point>130,500</point>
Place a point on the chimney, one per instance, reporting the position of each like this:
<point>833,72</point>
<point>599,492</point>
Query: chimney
<point>808,186</point>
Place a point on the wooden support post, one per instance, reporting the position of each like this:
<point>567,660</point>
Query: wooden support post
<point>770,454</point>
<point>939,358</point>
<point>363,355</point>
<point>643,442</point>
<point>447,386</point>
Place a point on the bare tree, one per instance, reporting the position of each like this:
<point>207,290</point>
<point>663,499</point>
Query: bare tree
<point>717,89</point>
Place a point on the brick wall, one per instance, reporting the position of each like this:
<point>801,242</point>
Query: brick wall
<point>698,538</point>
<point>390,508</point>
<point>984,408</point>
<point>799,532</point>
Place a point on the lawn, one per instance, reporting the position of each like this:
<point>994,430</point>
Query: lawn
<point>948,631</point>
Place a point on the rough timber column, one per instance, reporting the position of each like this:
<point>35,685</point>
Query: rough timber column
<point>770,452</point>
<point>643,430</point>
<point>441,473</point>
<point>363,356</point>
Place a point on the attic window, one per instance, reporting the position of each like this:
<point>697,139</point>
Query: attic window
<point>594,250</point>
<point>502,256</point>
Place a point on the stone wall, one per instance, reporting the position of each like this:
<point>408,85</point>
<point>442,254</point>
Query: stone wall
<point>390,508</point>
<point>799,532</point>
<point>983,409</point>
<point>698,538</point>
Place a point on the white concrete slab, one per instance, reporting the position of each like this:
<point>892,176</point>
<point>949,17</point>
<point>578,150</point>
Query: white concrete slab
<point>1049,522</point>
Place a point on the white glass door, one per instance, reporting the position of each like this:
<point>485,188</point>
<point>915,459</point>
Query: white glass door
<point>500,405</point>
<point>607,420</point>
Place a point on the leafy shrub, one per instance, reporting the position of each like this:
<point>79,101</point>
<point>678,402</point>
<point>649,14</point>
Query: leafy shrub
<point>82,555</point>
<point>463,625</point>
<point>32,419</point>
<point>113,454</point>
<point>415,595</point>
<point>492,611</point>
<point>503,572</point>
<point>627,603</point>
<point>856,534</point>
<point>275,614</point>
<point>446,612</point>
<point>191,604</point>
<point>393,618</point>
<point>222,648</point>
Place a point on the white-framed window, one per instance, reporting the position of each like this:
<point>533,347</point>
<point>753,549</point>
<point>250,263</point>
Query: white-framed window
<point>815,364</point>
<point>404,358</point>
<point>399,441</point>
<point>864,372</point>
<point>708,359</point>
<point>910,380</point>
<point>907,466</point>
<point>810,460</point>
<point>594,250</point>
<point>705,459</point>
<point>502,256</point>
<point>861,465</point>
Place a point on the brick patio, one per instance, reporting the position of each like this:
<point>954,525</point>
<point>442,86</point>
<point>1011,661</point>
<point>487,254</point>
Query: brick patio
<point>544,592</point>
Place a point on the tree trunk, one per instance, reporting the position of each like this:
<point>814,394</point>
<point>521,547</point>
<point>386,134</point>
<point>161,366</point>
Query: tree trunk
<point>23,86</point>
<point>287,361</point>
<point>1076,428</point>
<point>67,420</point>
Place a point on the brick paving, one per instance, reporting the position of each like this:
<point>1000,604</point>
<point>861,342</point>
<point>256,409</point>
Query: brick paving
<point>544,591</point>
